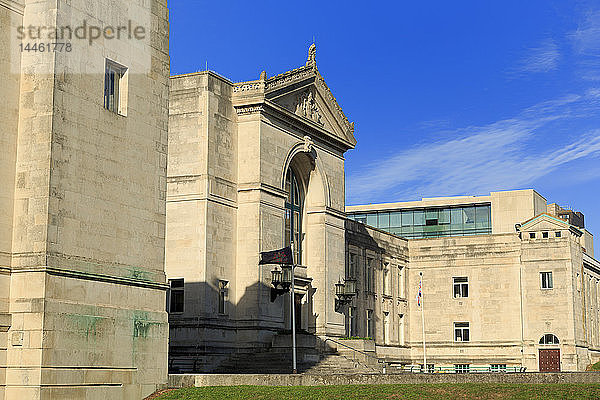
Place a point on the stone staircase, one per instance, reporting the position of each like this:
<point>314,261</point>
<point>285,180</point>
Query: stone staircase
<point>313,357</point>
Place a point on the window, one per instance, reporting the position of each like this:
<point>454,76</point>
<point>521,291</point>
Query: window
<point>386,279</point>
<point>461,368</point>
<point>461,287</point>
<point>531,235</point>
<point>401,329</point>
<point>549,339</point>
<point>461,332</point>
<point>544,235</point>
<point>386,327</point>
<point>372,220</point>
<point>115,88</point>
<point>351,322</point>
<point>498,367</point>
<point>401,282</point>
<point>223,297</point>
<point>176,287</point>
<point>369,275</point>
<point>546,279</point>
<point>293,214</point>
<point>370,323</point>
<point>558,234</point>
<point>352,266</point>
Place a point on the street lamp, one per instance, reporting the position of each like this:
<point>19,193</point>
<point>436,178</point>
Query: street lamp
<point>344,292</point>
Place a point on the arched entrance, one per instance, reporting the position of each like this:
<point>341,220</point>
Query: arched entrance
<point>549,353</point>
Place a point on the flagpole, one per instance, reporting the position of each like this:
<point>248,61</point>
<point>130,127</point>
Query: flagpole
<point>292,304</point>
<point>423,319</point>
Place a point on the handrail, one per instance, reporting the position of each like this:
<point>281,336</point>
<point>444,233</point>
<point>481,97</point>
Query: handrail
<point>356,350</point>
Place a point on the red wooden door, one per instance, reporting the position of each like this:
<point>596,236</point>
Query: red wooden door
<point>549,360</point>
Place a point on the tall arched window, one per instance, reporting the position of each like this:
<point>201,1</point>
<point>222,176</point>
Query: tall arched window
<point>293,214</point>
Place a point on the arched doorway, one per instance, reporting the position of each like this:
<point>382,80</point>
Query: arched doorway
<point>549,353</point>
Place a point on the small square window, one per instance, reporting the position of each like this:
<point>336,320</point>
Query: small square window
<point>461,332</point>
<point>115,88</point>
<point>461,287</point>
<point>531,235</point>
<point>545,235</point>
<point>558,234</point>
<point>546,280</point>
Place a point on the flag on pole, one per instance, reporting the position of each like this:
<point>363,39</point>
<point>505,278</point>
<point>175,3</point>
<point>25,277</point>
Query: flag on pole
<point>281,256</point>
<point>420,294</point>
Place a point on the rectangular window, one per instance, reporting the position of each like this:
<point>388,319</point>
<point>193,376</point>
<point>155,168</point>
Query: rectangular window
<point>383,221</point>
<point>558,234</point>
<point>176,295</point>
<point>498,367</point>
<point>419,218</point>
<point>351,322</point>
<point>369,274</point>
<point>370,323</point>
<point>461,332</point>
<point>386,327</point>
<point>461,287</point>
<point>360,218</point>
<point>531,235</point>
<point>401,329</point>
<point>401,282</point>
<point>395,220</point>
<point>372,220</point>
<point>444,216</point>
<point>545,235</point>
<point>115,88</point>
<point>461,368</point>
<point>407,218</point>
<point>352,266</point>
<point>386,280</point>
<point>546,280</point>
<point>223,297</point>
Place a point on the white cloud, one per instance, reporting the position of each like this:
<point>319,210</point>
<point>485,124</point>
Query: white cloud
<point>543,58</point>
<point>586,43</point>
<point>480,159</point>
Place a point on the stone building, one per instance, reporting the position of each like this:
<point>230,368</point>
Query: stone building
<point>505,283</point>
<point>82,205</point>
<point>251,166</point>
<point>508,280</point>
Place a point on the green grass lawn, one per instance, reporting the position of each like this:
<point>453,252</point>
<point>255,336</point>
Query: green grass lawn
<point>416,392</point>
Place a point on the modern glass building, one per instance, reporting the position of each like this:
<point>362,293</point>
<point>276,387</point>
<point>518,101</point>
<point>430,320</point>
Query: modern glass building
<point>430,222</point>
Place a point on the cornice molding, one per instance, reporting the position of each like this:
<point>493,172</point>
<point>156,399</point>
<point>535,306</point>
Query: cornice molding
<point>13,6</point>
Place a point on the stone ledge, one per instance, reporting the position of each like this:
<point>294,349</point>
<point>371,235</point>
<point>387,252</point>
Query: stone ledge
<point>199,380</point>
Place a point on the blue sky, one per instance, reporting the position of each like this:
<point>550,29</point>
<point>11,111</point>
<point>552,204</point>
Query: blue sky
<point>448,98</point>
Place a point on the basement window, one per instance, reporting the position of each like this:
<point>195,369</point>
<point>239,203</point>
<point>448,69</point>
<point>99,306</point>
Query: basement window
<point>498,367</point>
<point>176,295</point>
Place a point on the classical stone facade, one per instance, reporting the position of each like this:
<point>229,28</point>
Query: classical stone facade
<point>82,210</point>
<point>510,288</point>
<point>235,152</point>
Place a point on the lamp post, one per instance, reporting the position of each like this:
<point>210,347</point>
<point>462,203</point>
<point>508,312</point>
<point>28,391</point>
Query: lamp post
<point>282,281</point>
<point>344,293</point>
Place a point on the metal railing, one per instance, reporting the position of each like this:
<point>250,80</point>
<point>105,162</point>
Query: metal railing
<point>364,353</point>
<point>454,370</point>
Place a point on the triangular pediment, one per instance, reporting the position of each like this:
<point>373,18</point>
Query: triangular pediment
<point>303,91</point>
<point>545,222</point>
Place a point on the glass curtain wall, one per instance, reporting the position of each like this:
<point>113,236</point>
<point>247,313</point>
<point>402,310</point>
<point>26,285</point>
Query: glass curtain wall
<point>431,222</point>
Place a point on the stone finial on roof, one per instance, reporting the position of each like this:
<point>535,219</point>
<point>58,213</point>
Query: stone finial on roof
<point>312,56</point>
<point>263,76</point>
